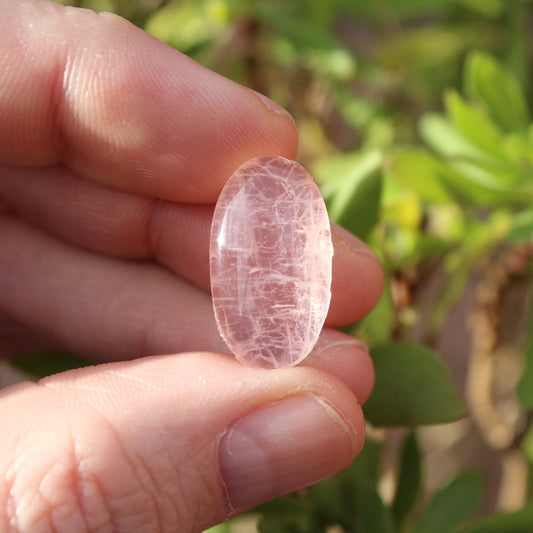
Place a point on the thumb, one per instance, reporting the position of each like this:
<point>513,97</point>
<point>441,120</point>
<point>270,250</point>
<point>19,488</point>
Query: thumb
<point>167,443</point>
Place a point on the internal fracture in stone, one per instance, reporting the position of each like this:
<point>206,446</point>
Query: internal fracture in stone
<point>270,260</point>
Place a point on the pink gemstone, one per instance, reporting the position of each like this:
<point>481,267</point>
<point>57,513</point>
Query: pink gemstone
<point>270,259</point>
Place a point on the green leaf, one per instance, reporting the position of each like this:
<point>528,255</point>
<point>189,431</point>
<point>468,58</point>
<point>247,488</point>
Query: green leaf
<point>364,509</point>
<point>367,467</point>
<point>184,26</point>
<point>355,194</point>
<point>296,26</point>
<point>527,445</point>
<point>522,231</point>
<point>412,388</point>
<point>409,480</point>
<point>48,363</point>
<point>284,506</point>
<point>444,138</point>
<point>424,47</point>
<point>369,512</point>
<point>220,528</point>
<point>520,521</point>
<point>452,505</point>
<point>286,514</point>
<point>378,325</point>
<point>483,187</point>
<point>487,8</point>
<point>518,149</point>
<point>303,524</point>
<point>474,125</point>
<point>420,171</point>
<point>329,500</point>
<point>395,8</point>
<point>332,500</point>
<point>467,174</point>
<point>487,81</point>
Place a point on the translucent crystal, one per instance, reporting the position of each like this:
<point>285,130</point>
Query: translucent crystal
<point>270,259</point>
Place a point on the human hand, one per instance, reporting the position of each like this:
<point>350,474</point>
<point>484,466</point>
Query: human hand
<point>113,150</point>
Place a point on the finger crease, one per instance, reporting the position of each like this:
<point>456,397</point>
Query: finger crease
<point>153,228</point>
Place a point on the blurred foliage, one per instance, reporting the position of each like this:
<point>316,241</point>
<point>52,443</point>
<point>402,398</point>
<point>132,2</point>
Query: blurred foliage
<point>425,394</point>
<point>414,119</point>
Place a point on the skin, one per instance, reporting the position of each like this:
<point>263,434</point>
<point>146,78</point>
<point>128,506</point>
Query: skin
<point>114,148</point>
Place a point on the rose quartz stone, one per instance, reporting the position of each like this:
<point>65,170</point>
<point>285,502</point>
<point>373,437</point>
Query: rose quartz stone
<point>270,259</point>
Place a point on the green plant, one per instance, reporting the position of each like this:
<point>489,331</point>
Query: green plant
<point>476,169</point>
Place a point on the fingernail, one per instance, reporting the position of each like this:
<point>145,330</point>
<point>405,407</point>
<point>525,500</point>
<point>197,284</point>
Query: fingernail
<point>272,106</point>
<point>282,447</point>
<point>351,241</point>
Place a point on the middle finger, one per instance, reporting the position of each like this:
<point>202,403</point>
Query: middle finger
<point>131,226</point>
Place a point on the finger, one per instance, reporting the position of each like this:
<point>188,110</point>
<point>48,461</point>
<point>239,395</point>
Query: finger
<point>357,282</point>
<point>108,309</point>
<point>117,106</point>
<point>15,338</point>
<point>338,354</point>
<point>95,305</point>
<point>345,358</point>
<point>170,443</point>
<point>177,235</point>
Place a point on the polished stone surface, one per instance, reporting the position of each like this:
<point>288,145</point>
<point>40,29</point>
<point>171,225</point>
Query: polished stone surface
<point>270,259</point>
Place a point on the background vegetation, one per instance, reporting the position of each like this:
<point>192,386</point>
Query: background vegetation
<point>414,118</point>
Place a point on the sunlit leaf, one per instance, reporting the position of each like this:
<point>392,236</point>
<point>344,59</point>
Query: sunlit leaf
<point>406,212</point>
<point>220,528</point>
<point>488,8</point>
<point>355,202</point>
<point>466,172</point>
<point>508,158</point>
<point>518,149</point>
<point>441,135</point>
<point>184,26</point>
<point>491,84</point>
<point>483,187</point>
<point>420,171</point>
<point>412,388</point>
<point>474,124</point>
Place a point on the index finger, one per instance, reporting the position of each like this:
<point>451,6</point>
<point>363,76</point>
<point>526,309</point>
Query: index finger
<point>99,95</point>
